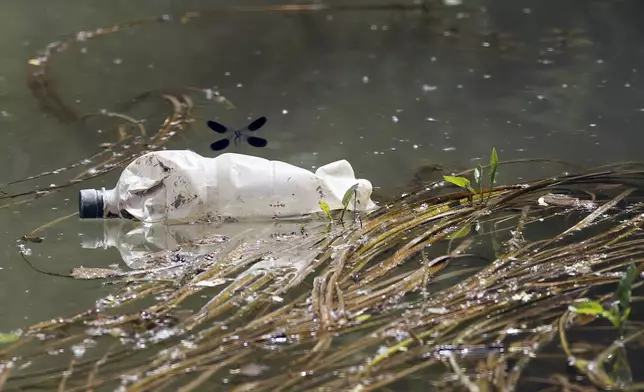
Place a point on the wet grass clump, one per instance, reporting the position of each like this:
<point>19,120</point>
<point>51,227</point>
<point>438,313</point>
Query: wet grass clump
<point>433,289</point>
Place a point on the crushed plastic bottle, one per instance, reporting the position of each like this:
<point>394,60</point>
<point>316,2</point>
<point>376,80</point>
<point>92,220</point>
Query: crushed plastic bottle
<point>182,186</point>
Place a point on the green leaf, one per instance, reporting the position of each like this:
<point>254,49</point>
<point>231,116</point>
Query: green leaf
<point>462,232</point>
<point>348,195</point>
<point>458,181</point>
<point>478,176</point>
<point>326,209</point>
<point>494,164</point>
<point>624,287</point>
<point>494,159</point>
<point>6,338</point>
<point>592,308</point>
<point>363,317</point>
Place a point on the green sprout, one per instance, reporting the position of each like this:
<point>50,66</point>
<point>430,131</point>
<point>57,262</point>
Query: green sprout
<point>326,209</point>
<point>618,311</point>
<point>494,164</point>
<point>351,193</point>
<point>464,183</point>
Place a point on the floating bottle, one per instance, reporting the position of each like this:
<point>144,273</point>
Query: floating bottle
<point>182,186</point>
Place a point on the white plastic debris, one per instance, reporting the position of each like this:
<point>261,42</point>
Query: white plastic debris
<point>180,186</point>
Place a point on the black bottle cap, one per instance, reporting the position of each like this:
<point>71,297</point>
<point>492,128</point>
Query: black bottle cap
<point>90,204</point>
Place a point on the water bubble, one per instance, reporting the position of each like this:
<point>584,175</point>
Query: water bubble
<point>277,298</point>
<point>427,88</point>
<point>78,350</point>
<point>163,334</point>
<point>22,249</point>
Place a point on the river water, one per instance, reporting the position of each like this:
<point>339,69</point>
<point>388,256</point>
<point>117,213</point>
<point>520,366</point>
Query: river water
<point>389,90</point>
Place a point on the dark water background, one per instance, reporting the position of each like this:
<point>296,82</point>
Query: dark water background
<point>387,90</point>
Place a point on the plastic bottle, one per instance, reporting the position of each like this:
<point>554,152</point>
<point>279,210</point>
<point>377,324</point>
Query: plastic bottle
<point>182,186</point>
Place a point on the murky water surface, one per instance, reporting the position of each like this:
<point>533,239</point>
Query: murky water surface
<point>388,90</point>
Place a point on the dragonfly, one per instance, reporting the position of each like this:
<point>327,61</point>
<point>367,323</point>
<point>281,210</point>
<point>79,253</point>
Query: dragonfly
<point>238,135</point>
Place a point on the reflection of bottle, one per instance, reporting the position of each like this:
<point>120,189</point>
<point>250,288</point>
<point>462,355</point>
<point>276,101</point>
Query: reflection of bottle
<point>180,186</point>
<point>151,245</point>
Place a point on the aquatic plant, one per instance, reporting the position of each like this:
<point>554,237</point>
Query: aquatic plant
<point>386,303</point>
<point>616,312</point>
<point>463,182</point>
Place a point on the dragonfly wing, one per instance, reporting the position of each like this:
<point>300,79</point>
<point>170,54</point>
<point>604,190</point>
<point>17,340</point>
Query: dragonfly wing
<point>220,144</point>
<point>256,141</point>
<point>257,124</point>
<point>215,126</point>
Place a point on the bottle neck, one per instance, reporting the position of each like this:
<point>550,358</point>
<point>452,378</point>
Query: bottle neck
<point>110,203</point>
